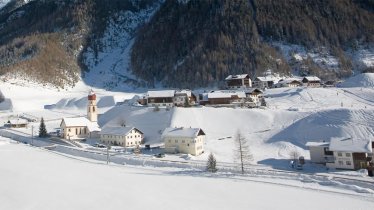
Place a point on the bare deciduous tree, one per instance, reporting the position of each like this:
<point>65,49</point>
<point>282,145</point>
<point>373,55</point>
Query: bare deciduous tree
<point>242,152</point>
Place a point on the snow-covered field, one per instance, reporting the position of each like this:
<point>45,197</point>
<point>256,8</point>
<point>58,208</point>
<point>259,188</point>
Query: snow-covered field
<point>32,178</point>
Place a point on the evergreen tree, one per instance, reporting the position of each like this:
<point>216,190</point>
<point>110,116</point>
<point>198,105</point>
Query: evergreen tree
<point>242,151</point>
<point>212,162</point>
<point>42,129</point>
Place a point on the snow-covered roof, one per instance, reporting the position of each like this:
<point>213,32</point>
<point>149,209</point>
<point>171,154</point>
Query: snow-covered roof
<point>161,93</point>
<point>268,79</point>
<point>81,122</point>
<point>350,145</point>
<point>289,80</point>
<point>117,130</point>
<point>182,132</point>
<point>226,94</point>
<point>317,144</point>
<point>312,78</point>
<point>18,121</point>
<point>238,76</point>
<point>187,92</point>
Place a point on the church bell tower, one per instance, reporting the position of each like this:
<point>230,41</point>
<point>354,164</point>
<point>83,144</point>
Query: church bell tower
<point>91,107</point>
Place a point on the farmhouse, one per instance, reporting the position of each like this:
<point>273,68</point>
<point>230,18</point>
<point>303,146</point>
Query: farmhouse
<point>254,94</point>
<point>289,82</point>
<point>121,136</point>
<point>238,81</point>
<point>18,123</point>
<point>311,81</point>
<point>225,97</point>
<point>184,98</point>
<point>184,140</point>
<point>81,127</point>
<point>162,98</point>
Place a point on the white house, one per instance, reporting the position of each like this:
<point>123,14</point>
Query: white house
<point>265,82</point>
<point>162,98</point>
<point>184,97</point>
<point>121,136</point>
<point>319,152</point>
<point>184,140</point>
<point>342,153</point>
<point>81,127</point>
<point>238,81</point>
<point>350,153</point>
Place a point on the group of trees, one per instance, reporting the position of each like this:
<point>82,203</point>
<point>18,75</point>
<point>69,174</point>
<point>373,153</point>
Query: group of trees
<point>242,155</point>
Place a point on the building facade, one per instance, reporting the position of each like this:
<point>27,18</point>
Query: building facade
<point>184,140</point>
<point>238,81</point>
<point>121,136</point>
<point>161,98</point>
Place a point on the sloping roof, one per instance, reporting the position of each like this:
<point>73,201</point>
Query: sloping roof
<point>187,92</point>
<point>317,144</point>
<point>290,80</point>
<point>182,132</point>
<point>226,94</point>
<point>18,121</point>
<point>350,145</point>
<point>81,122</point>
<point>312,78</point>
<point>117,130</point>
<point>161,93</point>
<point>268,79</point>
<point>238,76</point>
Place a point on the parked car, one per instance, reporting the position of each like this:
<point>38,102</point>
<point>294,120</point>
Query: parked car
<point>160,155</point>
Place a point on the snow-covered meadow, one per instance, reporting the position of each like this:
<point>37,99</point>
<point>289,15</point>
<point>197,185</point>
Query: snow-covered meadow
<point>32,178</point>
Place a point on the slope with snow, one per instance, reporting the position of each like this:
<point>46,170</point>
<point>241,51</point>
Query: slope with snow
<point>360,80</point>
<point>51,181</point>
<point>110,68</point>
<point>3,3</point>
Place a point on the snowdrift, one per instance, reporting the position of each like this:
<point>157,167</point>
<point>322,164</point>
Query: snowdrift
<point>360,80</point>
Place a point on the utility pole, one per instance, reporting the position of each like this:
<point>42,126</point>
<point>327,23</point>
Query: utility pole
<point>32,134</point>
<point>107,153</point>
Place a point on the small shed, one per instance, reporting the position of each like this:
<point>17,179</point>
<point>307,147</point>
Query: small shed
<point>18,123</point>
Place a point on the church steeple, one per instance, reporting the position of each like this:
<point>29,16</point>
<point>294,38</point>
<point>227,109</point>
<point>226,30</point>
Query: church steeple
<point>91,107</point>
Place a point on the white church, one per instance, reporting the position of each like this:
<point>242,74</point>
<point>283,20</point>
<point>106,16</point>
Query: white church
<point>78,128</point>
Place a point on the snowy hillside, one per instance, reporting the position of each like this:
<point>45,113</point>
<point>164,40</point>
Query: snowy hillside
<point>3,3</point>
<point>360,80</point>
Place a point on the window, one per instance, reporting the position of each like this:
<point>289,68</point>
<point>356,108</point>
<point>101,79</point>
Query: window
<point>183,141</point>
<point>340,162</point>
<point>340,154</point>
<point>348,155</point>
<point>348,163</point>
<point>176,141</point>
<point>188,145</point>
<point>93,108</point>
<point>69,129</point>
<point>169,141</point>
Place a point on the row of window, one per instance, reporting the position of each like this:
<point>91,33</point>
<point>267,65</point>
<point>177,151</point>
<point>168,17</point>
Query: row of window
<point>340,154</point>
<point>79,131</point>
<point>348,163</point>
<point>120,137</point>
<point>121,143</point>
<point>182,141</point>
